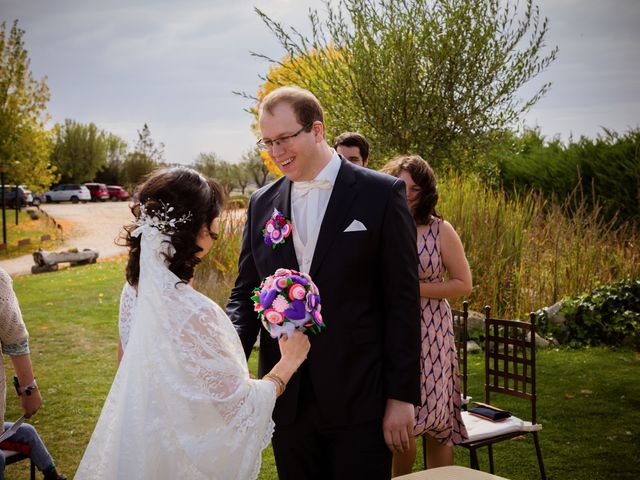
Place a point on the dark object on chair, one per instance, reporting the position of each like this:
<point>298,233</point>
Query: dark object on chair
<point>510,369</point>
<point>14,457</point>
<point>460,319</point>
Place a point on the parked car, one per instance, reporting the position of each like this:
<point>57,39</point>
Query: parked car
<point>24,194</point>
<point>68,192</point>
<point>117,193</point>
<point>98,191</point>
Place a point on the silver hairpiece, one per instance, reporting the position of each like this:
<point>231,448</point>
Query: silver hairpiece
<point>161,219</point>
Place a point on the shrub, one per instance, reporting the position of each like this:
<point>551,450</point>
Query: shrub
<point>218,271</point>
<point>237,201</point>
<point>608,314</point>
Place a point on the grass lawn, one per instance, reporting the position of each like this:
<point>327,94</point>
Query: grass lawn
<point>589,400</point>
<point>26,228</point>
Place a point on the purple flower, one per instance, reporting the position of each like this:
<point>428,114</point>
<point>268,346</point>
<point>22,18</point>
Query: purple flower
<point>313,301</point>
<point>276,230</point>
<point>267,297</point>
<point>300,280</point>
<point>296,311</point>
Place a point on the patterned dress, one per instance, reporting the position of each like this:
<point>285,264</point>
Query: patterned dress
<point>439,411</point>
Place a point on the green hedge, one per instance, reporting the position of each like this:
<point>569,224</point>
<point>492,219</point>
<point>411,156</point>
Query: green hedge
<point>604,173</point>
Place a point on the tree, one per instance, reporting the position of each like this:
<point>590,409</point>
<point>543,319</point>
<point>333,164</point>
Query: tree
<point>256,167</point>
<point>136,166</point>
<point>80,151</point>
<point>113,174</point>
<point>225,173</point>
<point>243,176</point>
<point>145,158</point>
<point>25,144</point>
<point>436,78</point>
<point>147,146</point>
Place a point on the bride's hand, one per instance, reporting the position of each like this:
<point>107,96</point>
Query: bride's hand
<point>294,348</point>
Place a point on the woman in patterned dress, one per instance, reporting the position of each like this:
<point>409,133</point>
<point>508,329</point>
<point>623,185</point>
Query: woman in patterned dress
<point>439,250</point>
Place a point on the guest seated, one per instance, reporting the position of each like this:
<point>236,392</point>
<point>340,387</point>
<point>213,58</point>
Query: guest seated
<point>15,343</point>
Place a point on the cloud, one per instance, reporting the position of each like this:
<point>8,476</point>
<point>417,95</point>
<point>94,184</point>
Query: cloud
<point>174,65</point>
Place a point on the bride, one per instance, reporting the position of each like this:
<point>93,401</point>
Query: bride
<point>182,404</point>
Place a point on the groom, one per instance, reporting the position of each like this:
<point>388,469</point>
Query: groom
<point>351,403</point>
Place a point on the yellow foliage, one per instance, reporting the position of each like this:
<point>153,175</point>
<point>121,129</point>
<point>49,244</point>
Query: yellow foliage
<point>270,164</point>
<point>289,72</point>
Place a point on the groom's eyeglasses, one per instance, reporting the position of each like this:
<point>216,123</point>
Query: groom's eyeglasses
<point>267,144</point>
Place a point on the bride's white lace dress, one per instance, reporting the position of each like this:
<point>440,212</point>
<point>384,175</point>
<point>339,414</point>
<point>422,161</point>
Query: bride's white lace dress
<point>182,405</point>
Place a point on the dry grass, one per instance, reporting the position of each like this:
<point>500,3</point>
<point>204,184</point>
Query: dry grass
<point>524,252</point>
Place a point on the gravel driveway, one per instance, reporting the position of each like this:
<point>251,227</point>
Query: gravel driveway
<point>89,225</point>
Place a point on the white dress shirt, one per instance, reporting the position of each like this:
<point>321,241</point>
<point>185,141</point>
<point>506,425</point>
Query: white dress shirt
<point>309,202</point>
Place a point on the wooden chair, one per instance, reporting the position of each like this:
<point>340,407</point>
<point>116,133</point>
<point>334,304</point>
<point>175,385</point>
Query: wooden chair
<point>510,369</point>
<point>460,320</point>
<point>460,329</point>
<point>14,457</point>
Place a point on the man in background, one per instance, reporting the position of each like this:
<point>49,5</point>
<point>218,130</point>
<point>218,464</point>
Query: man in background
<point>354,147</point>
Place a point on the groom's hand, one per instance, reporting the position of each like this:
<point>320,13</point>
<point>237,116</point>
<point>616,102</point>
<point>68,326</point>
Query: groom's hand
<point>397,425</point>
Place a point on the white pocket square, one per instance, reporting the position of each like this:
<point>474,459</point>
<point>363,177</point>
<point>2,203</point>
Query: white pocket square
<point>356,226</point>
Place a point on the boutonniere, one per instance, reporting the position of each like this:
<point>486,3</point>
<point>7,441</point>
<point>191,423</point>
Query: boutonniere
<point>276,229</point>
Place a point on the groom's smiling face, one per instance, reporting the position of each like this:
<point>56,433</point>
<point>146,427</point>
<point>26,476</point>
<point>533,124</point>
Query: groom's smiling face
<point>297,155</point>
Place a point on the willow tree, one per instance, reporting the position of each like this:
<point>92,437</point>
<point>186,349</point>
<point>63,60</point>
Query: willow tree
<point>439,78</point>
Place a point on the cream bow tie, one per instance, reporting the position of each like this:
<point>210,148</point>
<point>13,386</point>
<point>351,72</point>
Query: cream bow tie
<point>302,188</point>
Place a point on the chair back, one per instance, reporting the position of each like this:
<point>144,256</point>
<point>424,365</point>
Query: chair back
<point>460,321</point>
<point>510,358</point>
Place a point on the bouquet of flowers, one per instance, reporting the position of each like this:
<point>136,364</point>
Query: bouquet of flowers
<point>287,300</point>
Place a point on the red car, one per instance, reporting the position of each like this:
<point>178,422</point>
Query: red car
<point>117,193</point>
<point>98,191</point>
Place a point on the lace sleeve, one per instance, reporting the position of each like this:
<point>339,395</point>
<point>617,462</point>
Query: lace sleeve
<point>13,333</point>
<point>216,374</point>
<point>211,352</point>
<point>125,317</point>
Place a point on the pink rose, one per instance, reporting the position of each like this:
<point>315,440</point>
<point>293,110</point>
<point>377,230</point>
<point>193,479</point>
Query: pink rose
<point>273,316</point>
<point>297,292</point>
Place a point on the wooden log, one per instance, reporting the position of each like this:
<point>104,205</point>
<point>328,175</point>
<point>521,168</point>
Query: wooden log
<point>43,268</point>
<point>42,257</point>
<point>24,241</point>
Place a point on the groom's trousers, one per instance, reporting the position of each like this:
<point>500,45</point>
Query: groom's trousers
<point>305,450</point>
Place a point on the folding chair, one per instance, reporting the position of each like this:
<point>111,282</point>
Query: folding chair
<point>14,457</point>
<point>460,325</point>
<point>510,369</point>
<point>460,320</point>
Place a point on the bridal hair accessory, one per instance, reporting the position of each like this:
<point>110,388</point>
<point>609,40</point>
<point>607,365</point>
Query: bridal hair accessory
<point>288,300</point>
<point>161,219</point>
<point>276,229</point>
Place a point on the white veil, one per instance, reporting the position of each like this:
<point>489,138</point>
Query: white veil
<point>182,405</point>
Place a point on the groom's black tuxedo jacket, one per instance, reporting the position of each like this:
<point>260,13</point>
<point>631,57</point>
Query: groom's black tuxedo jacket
<point>368,282</point>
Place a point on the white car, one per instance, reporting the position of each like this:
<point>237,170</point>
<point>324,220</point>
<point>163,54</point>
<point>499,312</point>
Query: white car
<point>68,192</point>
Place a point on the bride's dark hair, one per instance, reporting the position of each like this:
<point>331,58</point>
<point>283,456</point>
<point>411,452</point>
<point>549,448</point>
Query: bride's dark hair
<point>188,192</point>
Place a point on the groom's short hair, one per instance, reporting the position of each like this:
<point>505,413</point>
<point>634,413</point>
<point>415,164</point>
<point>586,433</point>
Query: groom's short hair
<point>305,105</point>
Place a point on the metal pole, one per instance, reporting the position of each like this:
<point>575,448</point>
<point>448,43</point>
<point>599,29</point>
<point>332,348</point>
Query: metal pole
<point>17,205</point>
<point>4,216</point>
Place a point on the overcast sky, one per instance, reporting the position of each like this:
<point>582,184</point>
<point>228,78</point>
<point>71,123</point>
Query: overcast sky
<point>174,64</point>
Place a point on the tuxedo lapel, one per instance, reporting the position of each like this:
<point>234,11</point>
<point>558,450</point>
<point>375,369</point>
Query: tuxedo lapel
<point>282,202</point>
<point>342,196</point>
